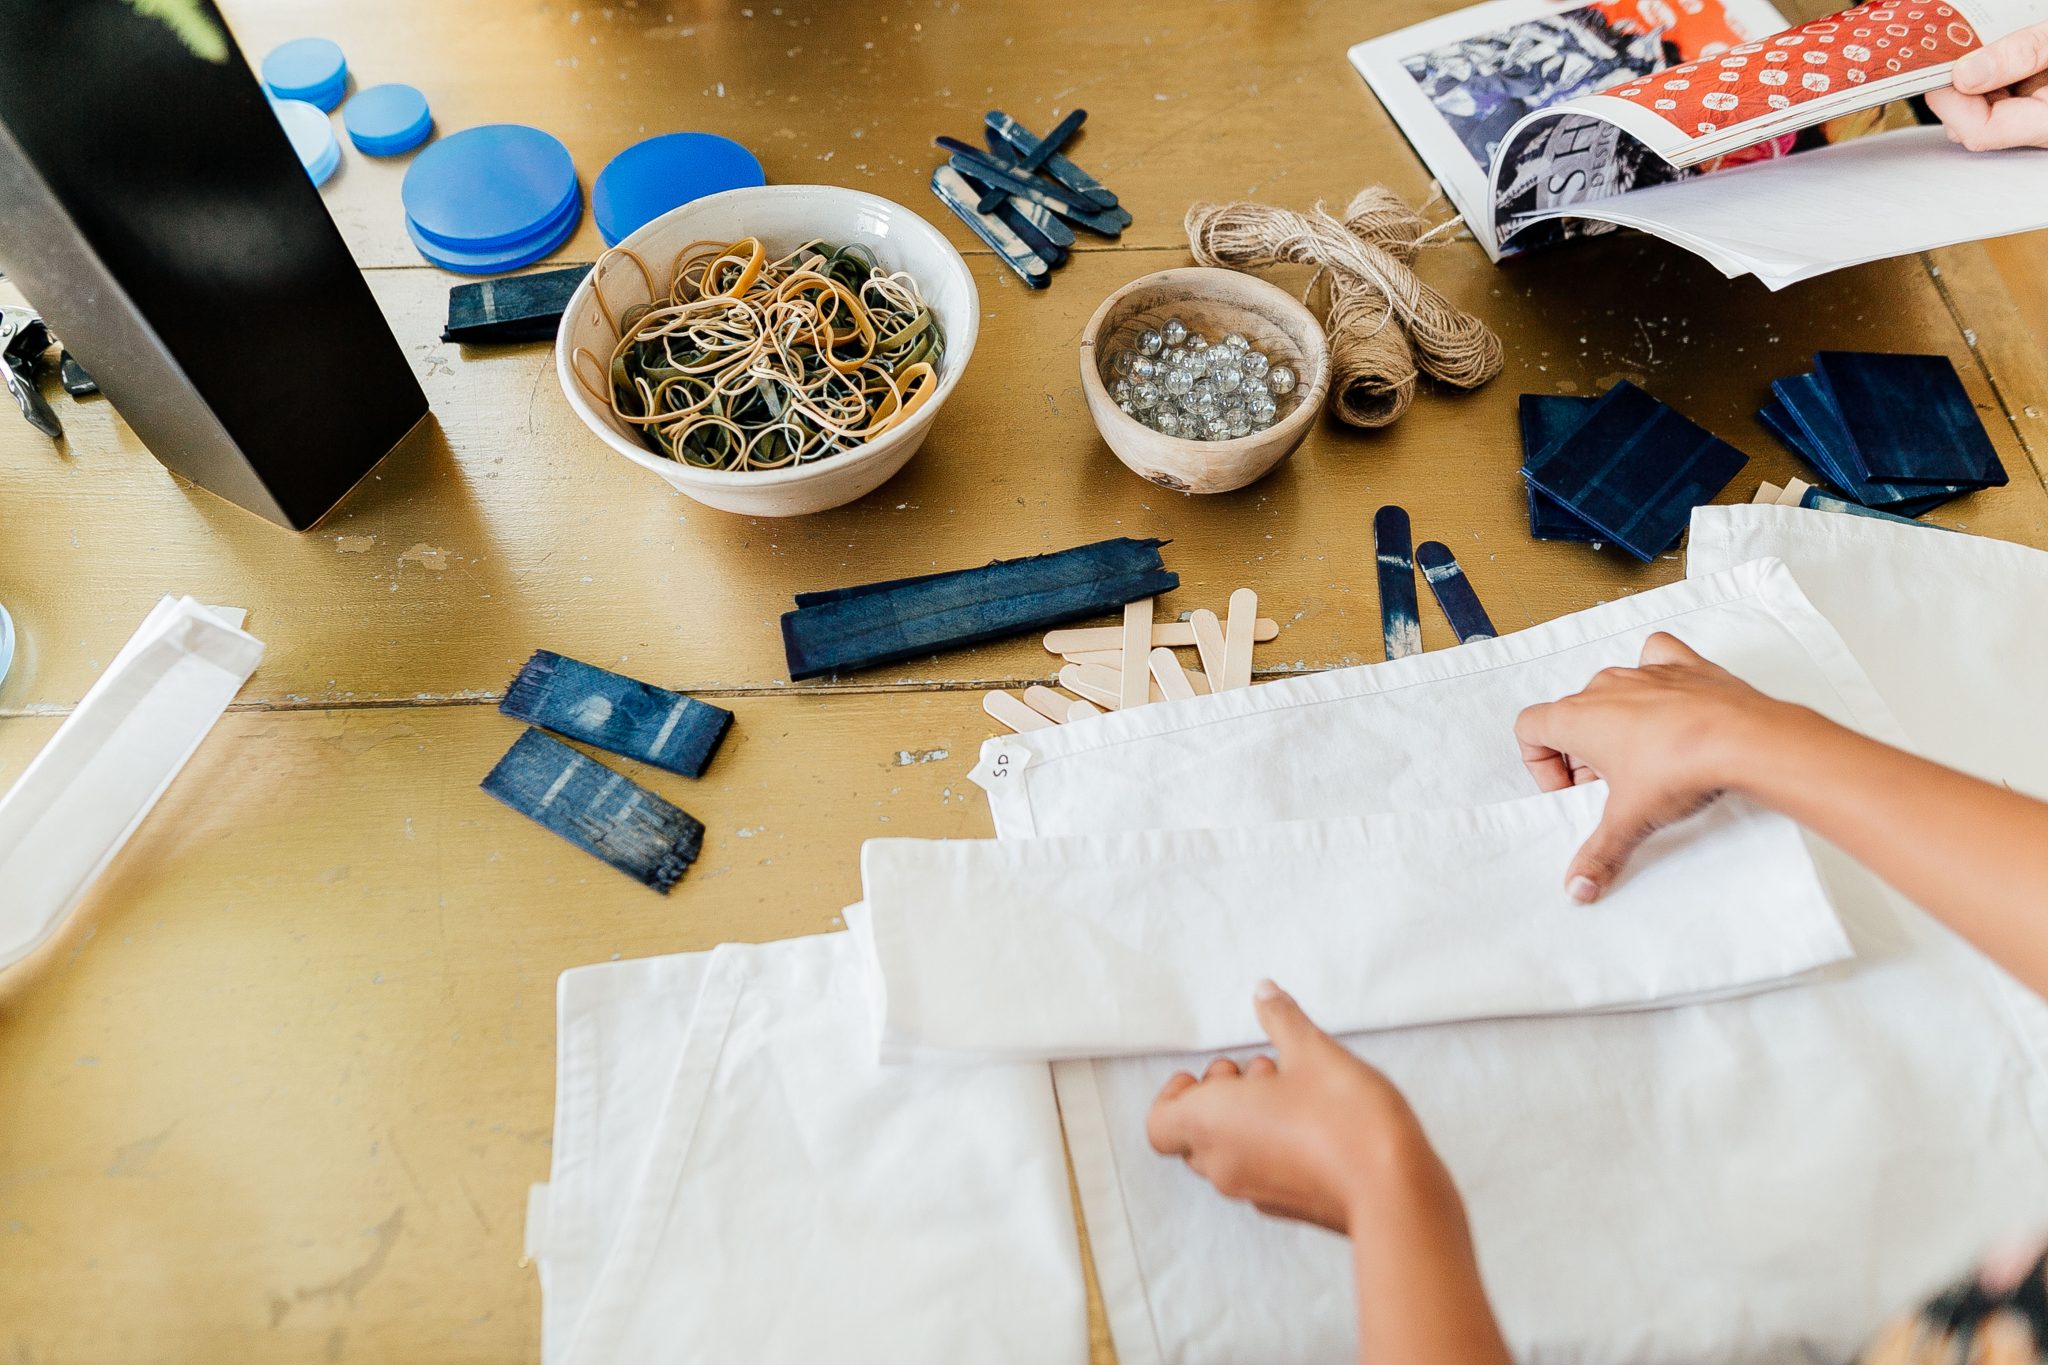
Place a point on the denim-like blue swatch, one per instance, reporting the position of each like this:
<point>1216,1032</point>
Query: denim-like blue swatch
<point>618,714</point>
<point>597,810</point>
<point>1446,578</point>
<point>882,623</point>
<point>1908,419</point>
<point>1546,418</point>
<point>1826,446</point>
<point>1635,469</point>
<point>1393,556</point>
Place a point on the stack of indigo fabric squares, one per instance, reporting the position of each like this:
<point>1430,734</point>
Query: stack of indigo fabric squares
<point>1623,468</point>
<point>1896,433</point>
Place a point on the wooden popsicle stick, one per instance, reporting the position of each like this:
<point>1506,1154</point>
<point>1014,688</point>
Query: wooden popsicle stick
<point>1766,493</point>
<point>1009,711</point>
<point>1198,681</point>
<point>1082,710</point>
<point>1108,658</point>
<point>1102,686</point>
<point>1237,642</point>
<point>1172,679</point>
<point>1134,672</point>
<point>1209,644</point>
<point>1046,702</point>
<point>1793,493</point>
<point>1075,639</point>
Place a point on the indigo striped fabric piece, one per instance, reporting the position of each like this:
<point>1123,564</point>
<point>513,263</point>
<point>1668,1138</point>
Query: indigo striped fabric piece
<point>1813,411</point>
<point>1908,419</point>
<point>618,714</point>
<point>882,623</point>
<point>1394,561</point>
<point>1635,469</point>
<point>1454,592</point>
<point>597,810</point>
<point>1546,418</point>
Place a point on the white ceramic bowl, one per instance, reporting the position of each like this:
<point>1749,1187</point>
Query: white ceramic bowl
<point>783,217</point>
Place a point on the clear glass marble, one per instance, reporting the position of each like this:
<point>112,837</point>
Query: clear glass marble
<point>1168,422</point>
<point>1280,379</point>
<point>1227,381</point>
<point>1236,341</point>
<point>1254,365</point>
<point>1150,343</point>
<point>1145,396</point>
<point>1237,422</point>
<point>1144,369</point>
<point>1175,331</point>
<point>1175,381</point>
<point>1120,390</point>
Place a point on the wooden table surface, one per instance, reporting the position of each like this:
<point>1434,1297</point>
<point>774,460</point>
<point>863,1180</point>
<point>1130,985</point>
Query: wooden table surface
<point>277,1092</point>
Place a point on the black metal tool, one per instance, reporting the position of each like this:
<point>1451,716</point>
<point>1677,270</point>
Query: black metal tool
<point>23,339</point>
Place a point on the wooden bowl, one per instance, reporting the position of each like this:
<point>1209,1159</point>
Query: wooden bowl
<point>1214,303</point>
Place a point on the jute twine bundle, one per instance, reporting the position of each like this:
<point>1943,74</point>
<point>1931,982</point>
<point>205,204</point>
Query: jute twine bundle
<point>1383,322</point>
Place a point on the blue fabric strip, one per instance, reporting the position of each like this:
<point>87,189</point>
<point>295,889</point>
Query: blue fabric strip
<point>618,714</point>
<point>852,628</point>
<point>597,810</point>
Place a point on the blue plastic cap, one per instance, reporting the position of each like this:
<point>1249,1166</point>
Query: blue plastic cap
<point>497,260</point>
<point>309,69</point>
<point>649,178</point>
<point>387,119</point>
<point>312,136</point>
<point>485,188</point>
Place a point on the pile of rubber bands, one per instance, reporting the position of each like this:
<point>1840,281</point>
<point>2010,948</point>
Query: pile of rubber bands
<point>743,363</point>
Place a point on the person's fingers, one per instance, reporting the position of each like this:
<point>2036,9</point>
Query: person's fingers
<point>2008,61</point>
<point>1599,861</point>
<point>1947,105</point>
<point>1166,1122</point>
<point>1544,761</point>
<point>1222,1066</point>
<point>1295,1036</point>
<point>1665,648</point>
<point>2003,123</point>
<point>1582,774</point>
<point>1261,1065</point>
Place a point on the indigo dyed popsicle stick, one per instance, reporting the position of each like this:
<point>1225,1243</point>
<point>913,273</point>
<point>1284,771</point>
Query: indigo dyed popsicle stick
<point>1029,165</point>
<point>956,194</point>
<point>1546,418</point>
<point>618,714</point>
<point>1400,613</point>
<point>597,810</point>
<point>971,606</point>
<point>978,165</point>
<point>1819,501</point>
<point>516,308</point>
<point>1000,128</point>
<point>1011,213</point>
<point>1454,592</point>
<point>1908,419</point>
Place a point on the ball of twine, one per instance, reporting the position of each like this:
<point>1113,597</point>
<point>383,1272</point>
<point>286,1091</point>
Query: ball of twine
<point>1384,323</point>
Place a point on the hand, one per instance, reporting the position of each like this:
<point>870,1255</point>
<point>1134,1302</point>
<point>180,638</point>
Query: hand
<point>1317,1136</point>
<point>2000,94</point>
<point>1667,737</point>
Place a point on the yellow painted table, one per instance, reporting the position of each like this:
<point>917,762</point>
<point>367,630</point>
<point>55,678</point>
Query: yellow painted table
<point>278,1091</point>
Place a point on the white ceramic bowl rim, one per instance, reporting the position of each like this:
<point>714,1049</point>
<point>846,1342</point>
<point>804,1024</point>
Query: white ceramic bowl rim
<point>958,349</point>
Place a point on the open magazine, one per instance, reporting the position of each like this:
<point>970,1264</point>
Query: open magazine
<point>1780,152</point>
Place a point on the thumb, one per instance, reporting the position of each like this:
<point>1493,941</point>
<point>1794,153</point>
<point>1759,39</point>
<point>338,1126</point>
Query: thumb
<point>1598,864</point>
<point>2008,61</point>
<point>1295,1036</point>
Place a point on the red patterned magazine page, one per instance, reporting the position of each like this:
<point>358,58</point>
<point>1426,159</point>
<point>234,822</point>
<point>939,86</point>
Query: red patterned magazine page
<point>1754,100</point>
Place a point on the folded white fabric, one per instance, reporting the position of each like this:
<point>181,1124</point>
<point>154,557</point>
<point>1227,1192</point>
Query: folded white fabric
<point>1763,1179</point>
<point>749,1185</point>
<point>1112,944</point>
<point>1953,629</point>
<point>80,798</point>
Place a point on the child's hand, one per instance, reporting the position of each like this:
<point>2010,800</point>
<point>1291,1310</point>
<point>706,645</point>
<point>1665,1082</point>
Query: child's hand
<point>2000,94</point>
<point>1667,736</point>
<point>1318,1135</point>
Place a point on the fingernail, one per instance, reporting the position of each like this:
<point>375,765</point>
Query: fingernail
<point>1265,990</point>
<point>1583,890</point>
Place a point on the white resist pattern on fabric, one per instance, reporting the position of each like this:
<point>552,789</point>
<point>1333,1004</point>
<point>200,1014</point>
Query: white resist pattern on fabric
<point>1756,1180</point>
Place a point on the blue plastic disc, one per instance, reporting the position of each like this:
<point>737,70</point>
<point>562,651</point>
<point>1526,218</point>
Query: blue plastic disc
<point>387,119</point>
<point>495,260</point>
<point>309,69</point>
<point>489,187</point>
<point>312,136</point>
<point>6,643</point>
<point>649,178</point>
